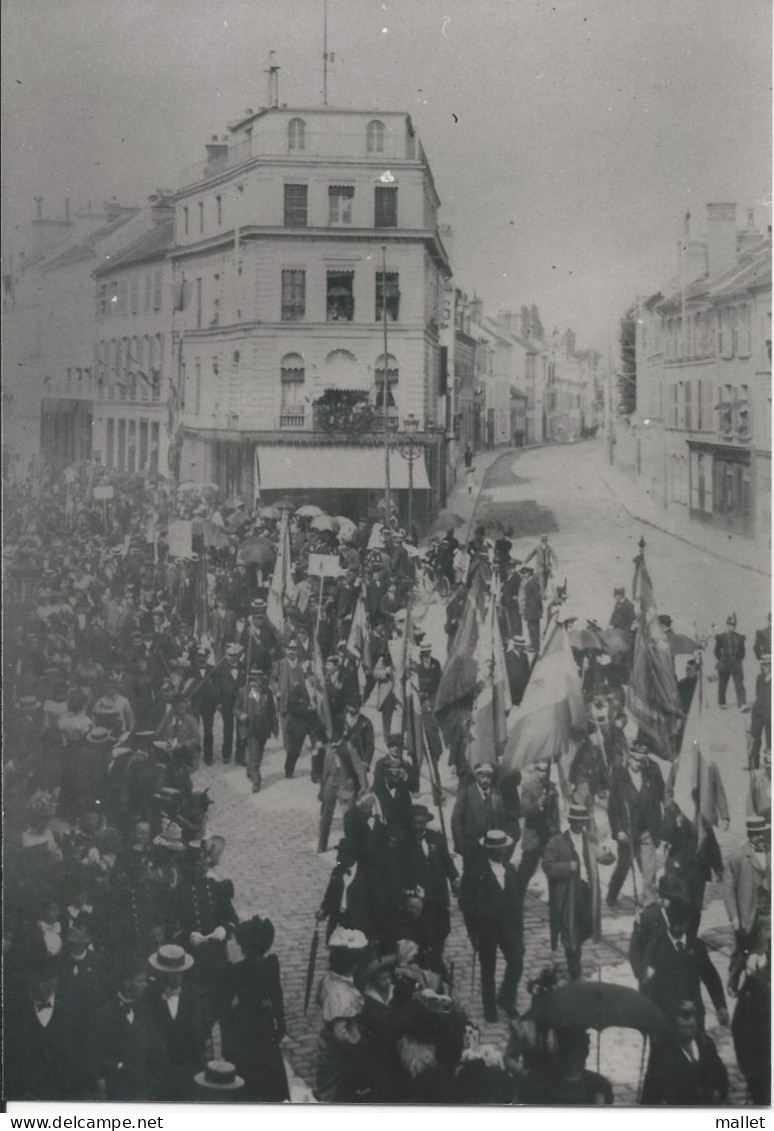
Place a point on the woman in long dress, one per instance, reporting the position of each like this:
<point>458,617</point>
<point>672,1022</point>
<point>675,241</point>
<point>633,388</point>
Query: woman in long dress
<point>255,1021</point>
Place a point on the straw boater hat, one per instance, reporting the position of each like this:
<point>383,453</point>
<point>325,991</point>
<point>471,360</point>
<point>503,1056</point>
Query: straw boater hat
<point>578,813</point>
<point>98,735</point>
<point>171,837</point>
<point>757,825</point>
<point>219,1076</point>
<point>495,840</point>
<point>171,959</point>
<point>347,939</point>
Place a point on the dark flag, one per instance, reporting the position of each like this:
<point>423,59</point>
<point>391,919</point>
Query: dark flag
<point>461,676</point>
<point>652,696</point>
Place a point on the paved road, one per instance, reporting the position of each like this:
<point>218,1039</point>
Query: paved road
<point>271,836</point>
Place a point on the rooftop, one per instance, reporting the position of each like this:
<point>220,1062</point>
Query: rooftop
<point>152,244</point>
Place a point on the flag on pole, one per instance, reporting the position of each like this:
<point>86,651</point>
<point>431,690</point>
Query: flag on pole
<point>489,720</point>
<point>711,739</point>
<point>552,708</point>
<point>282,587</point>
<point>359,639</point>
<point>460,677</point>
<point>321,691</point>
<point>652,696</point>
<point>257,479</point>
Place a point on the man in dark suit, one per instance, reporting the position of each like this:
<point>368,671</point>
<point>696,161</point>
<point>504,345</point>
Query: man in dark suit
<point>761,712</point>
<point>687,685</point>
<point>260,640</point>
<point>302,720</point>
<point>127,1050</point>
<point>393,793</point>
<point>347,899</point>
<point>635,809</point>
<point>425,862</point>
<point>256,711</point>
<point>223,628</point>
<point>202,688</point>
<point>491,899</point>
<point>762,645</point>
<point>229,681</point>
<point>623,615</point>
<point>42,1056</point>
<point>570,863</point>
<point>479,807</point>
<point>517,667</point>
<point>358,731</point>
<point>729,653</point>
<point>685,1069</point>
<point>531,606</point>
<point>174,1006</point>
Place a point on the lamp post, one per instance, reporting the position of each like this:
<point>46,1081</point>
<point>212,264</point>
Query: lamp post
<point>410,447</point>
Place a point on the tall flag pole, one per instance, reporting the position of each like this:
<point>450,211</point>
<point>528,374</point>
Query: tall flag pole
<point>652,696</point>
<point>542,726</point>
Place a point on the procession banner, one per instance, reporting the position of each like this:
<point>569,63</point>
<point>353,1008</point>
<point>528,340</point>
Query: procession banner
<point>460,676</point>
<point>360,632</point>
<point>282,586</point>
<point>552,708</point>
<point>179,537</point>
<point>711,740</point>
<point>324,565</point>
<point>652,696</point>
<point>489,720</point>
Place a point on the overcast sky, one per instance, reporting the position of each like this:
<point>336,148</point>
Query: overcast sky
<point>566,139</point>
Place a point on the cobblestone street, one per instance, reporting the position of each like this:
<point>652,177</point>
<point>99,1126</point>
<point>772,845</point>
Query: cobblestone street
<point>272,836</point>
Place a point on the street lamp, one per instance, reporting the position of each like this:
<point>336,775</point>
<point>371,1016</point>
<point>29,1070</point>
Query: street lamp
<point>410,447</point>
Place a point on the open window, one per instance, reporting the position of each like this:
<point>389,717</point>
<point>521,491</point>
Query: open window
<point>387,293</point>
<point>392,381</point>
<point>340,299</point>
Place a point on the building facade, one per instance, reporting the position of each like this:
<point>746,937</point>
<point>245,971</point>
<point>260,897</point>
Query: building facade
<point>133,349</point>
<point>700,440</point>
<point>301,231</point>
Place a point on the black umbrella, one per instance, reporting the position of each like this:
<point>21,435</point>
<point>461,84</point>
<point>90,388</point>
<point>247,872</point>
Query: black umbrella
<point>598,1005</point>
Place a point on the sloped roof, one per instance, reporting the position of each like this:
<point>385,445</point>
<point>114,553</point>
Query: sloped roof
<point>152,244</point>
<point>86,248</point>
<point>752,269</point>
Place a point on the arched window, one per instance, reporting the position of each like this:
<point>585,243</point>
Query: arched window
<point>292,377</point>
<point>342,372</point>
<point>392,380</point>
<point>375,137</point>
<point>296,134</point>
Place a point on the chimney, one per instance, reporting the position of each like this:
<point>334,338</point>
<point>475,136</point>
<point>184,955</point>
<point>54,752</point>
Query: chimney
<point>721,237</point>
<point>216,153</point>
<point>161,206</point>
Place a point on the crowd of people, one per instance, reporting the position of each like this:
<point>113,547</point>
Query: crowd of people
<point>128,972</point>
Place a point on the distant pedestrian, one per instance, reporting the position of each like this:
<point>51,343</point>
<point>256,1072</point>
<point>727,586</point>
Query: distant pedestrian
<point>729,653</point>
<point>468,460</point>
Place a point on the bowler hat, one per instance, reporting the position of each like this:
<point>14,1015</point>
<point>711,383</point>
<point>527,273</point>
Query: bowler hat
<point>422,811</point>
<point>671,887</point>
<point>99,734</point>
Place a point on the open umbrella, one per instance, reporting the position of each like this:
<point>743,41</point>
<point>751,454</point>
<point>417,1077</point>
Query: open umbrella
<point>682,645</point>
<point>324,522</point>
<point>446,520</point>
<point>256,551</point>
<point>598,1005</point>
<point>270,512</point>
<point>618,641</point>
<point>586,640</point>
<point>309,511</point>
<point>345,526</point>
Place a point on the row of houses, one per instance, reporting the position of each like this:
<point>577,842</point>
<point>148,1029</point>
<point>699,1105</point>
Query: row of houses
<point>284,314</point>
<point>699,441</point>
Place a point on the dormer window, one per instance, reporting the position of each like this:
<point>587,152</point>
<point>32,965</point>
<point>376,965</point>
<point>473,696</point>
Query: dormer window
<point>375,137</point>
<point>296,134</point>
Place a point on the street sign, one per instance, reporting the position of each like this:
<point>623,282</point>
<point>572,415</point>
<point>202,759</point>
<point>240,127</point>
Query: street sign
<point>103,493</point>
<point>179,539</point>
<point>324,565</point>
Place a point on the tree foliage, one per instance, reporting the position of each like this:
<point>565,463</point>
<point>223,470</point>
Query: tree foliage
<point>627,376</point>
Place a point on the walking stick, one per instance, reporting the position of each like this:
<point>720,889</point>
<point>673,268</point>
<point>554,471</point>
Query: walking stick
<point>631,854</point>
<point>311,966</point>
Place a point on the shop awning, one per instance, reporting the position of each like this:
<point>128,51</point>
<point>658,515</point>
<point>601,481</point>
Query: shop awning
<point>284,467</point>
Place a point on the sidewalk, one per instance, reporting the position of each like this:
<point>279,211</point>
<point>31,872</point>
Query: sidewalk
<point>636,502</point>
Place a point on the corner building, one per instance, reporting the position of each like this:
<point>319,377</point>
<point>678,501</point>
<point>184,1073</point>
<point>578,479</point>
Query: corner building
<point>282,237</point>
